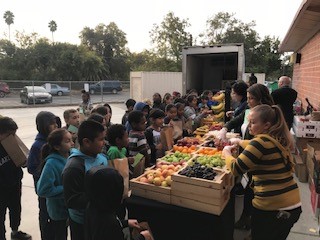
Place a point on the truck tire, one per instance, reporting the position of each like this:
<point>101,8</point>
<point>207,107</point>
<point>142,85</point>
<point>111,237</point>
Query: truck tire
<point>59,93</point>
<point>2,94</point>
<point>91,91</point>
<point>114,91</point>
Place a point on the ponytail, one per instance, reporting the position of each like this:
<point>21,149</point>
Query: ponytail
<point>279,129</point>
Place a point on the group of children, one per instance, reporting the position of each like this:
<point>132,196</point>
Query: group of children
<point>71,164</point>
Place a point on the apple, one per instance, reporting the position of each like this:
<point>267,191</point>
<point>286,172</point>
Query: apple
<point>164,184</point>
<point>157,173</point>
<point>150,179</point>
<point>163,167</point>
<point>164,172</point>
<point>144,180</point>
<point>157,181</point>
<point>170,172</point>
<point>171,166</point>
<point>168,180</point>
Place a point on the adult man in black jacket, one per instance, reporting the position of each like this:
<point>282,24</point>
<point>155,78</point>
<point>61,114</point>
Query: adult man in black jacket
<point>285,96</point>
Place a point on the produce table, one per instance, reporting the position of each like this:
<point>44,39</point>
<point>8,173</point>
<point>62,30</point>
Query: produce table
<point>169,222</point>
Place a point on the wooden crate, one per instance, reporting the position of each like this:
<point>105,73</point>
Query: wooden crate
<point>150,191</point>
<point>210,196</point>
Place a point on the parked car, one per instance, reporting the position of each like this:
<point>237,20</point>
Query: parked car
<point>35,94</point>
<point>107,86</point>
<point>4,89</point>
<point>58,90</point>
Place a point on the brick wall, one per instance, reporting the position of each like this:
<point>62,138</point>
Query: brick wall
<point>306,75</point>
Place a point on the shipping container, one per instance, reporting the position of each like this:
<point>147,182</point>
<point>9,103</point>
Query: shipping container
<point>144,84</point>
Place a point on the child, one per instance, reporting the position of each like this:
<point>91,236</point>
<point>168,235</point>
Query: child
<point>142,107</point>
<point>117,137</point>
<point>46,122</point>
<point>71,117</point>
<point>91,136</point>
<point>204,102</point>
<point>54,156</point>
<point>10,185</point>
<point>185,123</point>
<point>85,106</point>
<point>276,202</point>
<point>104,189</point>
<point>153,134</point>
<point>171,114</point>
<point>137,139</point>
<point>129,104</point>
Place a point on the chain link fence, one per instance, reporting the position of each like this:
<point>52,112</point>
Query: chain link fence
<point>24,92</point>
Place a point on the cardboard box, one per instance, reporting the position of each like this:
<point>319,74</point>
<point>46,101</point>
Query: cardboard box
<point>314,198</point>
<point>301,144</point>
<point>300,169</point>
<point>16,149</point>
<point>306,133</point>
<point>302,121</point>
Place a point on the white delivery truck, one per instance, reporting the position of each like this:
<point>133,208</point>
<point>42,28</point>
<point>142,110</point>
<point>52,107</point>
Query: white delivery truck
<point>212,67</point>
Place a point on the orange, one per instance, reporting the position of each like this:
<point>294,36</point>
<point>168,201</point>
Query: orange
<point>193,147</point>
<point>185,151</point>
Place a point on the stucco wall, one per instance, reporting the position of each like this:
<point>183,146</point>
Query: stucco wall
<point>306,74</point>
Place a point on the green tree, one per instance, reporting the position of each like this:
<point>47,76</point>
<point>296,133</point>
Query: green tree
<point>260,55</point>
<point>53,27</point>
<point>170,36</point>
<point>9,19</point>
<point>109,42</point>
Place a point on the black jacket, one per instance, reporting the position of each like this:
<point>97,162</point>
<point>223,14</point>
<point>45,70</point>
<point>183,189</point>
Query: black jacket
<point>285,97</point>
<point>104,189</point>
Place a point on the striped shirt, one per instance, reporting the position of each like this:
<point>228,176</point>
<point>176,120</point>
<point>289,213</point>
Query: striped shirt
<point>138,144</point>
<point>269,163</point>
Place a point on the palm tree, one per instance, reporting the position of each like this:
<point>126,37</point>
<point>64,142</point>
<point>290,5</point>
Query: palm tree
<point>53,27</point>
<point>9,18</point>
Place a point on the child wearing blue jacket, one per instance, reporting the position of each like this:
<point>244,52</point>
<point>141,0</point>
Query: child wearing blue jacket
<point>54,159</point>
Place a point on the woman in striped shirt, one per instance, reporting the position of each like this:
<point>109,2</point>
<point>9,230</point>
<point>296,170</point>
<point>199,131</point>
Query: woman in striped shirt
<point>276,203</point>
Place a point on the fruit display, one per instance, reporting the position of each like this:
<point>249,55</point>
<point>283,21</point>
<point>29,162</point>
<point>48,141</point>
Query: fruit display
<point>188,141</point>
<point>184,149</point>
<point>216,126</point>
<point>209,143</point>
<point>218,108</point>
<point>219,97</point>
<point>219,116</point>
<point>160,176</point>
<point>207,151</point>
<point>198,171</point>
<point>202,130</point>
<point>175,158</point>
<point>210,161</point>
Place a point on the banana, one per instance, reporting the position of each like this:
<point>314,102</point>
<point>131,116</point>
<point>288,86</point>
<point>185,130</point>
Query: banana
<point>218,108</point>
<point>220,115</point>
<point>219,98</point>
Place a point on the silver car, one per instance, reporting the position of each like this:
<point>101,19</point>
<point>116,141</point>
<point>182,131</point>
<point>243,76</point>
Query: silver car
<point>35,94</point>
<point>57,89</point>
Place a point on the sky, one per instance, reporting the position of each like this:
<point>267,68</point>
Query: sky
<point>137,17</point>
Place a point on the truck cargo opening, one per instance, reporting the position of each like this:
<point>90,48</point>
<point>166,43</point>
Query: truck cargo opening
<point>212,67</point>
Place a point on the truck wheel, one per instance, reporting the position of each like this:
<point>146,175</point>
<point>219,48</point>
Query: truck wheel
<point>91,91</point>
<point>114,91</point>
<point>59,93</point>
<point>2,94</point>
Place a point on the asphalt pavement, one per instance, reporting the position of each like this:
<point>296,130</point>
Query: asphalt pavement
<point>305,228</point>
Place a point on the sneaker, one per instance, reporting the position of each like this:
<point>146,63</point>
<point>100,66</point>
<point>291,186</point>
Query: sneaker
<point>19,235</point>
